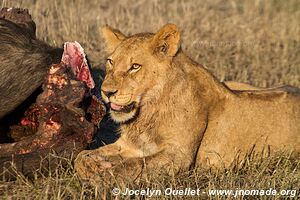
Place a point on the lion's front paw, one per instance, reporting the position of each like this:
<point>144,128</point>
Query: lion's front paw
<point>90,164</point>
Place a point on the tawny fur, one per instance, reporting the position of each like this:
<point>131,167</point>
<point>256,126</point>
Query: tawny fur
<point>233,85</point>
<point>183,115</point>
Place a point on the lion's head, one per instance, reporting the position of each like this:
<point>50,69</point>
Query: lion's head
<point>136,68</point>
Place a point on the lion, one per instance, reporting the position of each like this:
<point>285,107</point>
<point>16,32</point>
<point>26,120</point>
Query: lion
<point>233,85</point>
<point>174,114</point>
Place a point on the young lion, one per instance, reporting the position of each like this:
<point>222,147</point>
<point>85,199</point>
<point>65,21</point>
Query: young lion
<point>173,113</point>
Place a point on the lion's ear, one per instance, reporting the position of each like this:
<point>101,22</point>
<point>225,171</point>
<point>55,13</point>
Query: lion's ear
<point>167,40</point>
<point>112,37</point>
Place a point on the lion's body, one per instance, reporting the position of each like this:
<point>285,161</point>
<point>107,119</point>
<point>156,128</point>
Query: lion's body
<point>183,114</point>
<point>268,120</point>
<point>233,85</point>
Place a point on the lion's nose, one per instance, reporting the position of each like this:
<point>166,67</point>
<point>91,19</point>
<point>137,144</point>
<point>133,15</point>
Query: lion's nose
<point>109,93</point>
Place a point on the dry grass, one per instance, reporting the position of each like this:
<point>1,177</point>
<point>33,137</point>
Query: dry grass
<point>277,172</point>
<point>252,41</point>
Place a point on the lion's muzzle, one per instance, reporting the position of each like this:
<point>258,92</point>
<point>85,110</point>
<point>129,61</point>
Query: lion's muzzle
<point>121,99</point>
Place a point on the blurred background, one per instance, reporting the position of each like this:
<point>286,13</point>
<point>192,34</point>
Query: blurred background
<point>252,41</point>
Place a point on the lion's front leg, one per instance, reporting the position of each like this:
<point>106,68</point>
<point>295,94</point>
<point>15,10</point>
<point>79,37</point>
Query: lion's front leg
<point>90,165</point>
<point>96,167</point>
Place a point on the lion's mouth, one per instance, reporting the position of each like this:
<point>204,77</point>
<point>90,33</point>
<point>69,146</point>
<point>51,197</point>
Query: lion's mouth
<point>119,108</point>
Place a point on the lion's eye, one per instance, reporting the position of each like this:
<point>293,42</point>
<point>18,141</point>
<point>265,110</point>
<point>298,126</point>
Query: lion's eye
<point>135,67</point>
